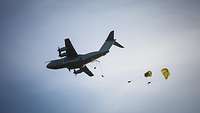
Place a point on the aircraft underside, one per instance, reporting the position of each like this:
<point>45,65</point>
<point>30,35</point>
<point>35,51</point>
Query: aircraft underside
<point>72,60</point>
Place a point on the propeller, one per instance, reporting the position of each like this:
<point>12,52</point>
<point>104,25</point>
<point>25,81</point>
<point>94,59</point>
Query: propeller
<point>59,51</point>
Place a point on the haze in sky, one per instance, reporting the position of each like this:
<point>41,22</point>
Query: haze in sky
<point>155,33</point>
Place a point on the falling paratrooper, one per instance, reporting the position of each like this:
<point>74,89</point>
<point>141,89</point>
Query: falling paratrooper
<point>148,74</point>
<point>129,81</point>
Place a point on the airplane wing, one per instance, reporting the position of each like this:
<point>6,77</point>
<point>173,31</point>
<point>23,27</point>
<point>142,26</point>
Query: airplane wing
<point>87,71</point>
<point>70,51</point>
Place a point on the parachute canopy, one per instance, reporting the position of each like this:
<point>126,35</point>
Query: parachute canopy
<point>165,73</point>
<point>148,74</point>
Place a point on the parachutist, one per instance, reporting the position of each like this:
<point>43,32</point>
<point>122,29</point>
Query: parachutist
<point>149,83</point>
<point>148,74</point>
<point>94,67</point>
<point>102,76</point>
<point>165,73</point>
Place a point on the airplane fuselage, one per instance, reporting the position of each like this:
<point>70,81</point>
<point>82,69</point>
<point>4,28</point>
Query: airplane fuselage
<point>78,62</point>
<point>72,60</point>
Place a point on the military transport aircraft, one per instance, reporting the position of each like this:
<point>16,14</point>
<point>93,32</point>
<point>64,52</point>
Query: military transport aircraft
<point>72,60</point>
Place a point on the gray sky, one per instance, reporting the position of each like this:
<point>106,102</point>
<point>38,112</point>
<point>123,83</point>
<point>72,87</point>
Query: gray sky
<point>155,33</point>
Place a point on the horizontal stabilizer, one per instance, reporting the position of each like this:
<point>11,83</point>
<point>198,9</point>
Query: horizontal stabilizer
<point>118,45</point>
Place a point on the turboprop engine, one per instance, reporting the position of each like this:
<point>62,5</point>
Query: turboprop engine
<point>60,51</point>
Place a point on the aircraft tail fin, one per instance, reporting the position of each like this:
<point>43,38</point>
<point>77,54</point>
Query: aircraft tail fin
<point>109,42</point>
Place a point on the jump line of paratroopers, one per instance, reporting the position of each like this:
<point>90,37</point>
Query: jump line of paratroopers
<point>165,72</point>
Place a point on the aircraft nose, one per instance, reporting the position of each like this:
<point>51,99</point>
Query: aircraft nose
<point>49,65</point>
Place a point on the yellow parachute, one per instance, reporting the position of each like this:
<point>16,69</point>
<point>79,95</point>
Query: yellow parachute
<point>165,73</point>
<point>148,74</point>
